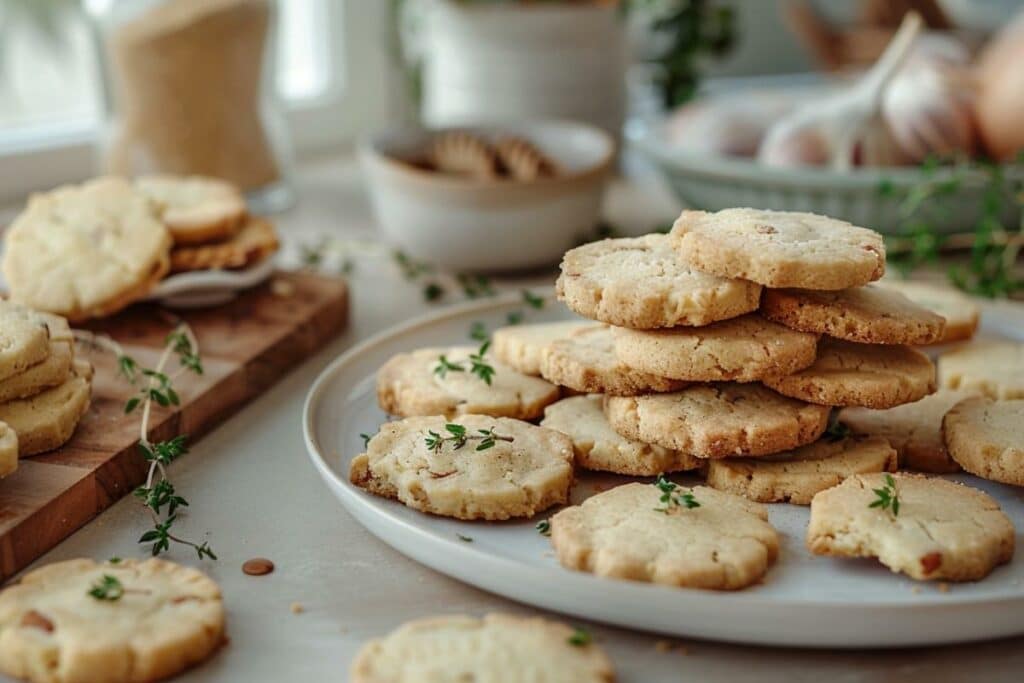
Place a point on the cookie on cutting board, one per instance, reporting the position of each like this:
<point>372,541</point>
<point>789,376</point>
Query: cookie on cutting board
<point>48,419</point>
<point>196,209</point>
<point>254,242</point>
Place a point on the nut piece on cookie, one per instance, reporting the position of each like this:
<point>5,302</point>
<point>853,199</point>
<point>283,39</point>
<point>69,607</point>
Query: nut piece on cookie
<point>961,313</point>
<point>780,248</point>
<point>795,477</point>
<point>941,531</point>
<point>718,420</point>
<point>640,283</point>
<point>167,619</point>
<point>196,209</point>
<point>869,375</point>
<point>585,361</point>
<point>986,438</point>
<point>868,314</point>
<point>992,368</point>
<point>475,467</point>
<point>442,381</point>
<point>913,429</point>
<point>744,349</point>
<point>521,347</point>
<point>599,447</point>
<point>700,538</point>
<point>497,647</point>
<point>85,251</point>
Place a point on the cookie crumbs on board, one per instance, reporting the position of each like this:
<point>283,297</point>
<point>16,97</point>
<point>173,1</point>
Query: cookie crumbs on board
<point>297,608</point>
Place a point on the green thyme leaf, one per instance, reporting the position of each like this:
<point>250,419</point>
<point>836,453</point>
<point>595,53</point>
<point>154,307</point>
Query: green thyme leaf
<point>107,588</point>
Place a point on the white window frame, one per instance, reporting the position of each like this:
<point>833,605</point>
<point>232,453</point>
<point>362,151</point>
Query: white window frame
<point>358,97</point>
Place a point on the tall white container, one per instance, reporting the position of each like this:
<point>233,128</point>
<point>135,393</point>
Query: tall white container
<point>488,63</point>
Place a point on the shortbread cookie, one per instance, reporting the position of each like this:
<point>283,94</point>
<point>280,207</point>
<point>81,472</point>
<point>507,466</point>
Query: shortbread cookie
<point>477,467</point>
<point>48,373</point>
<point>586,362</point>
<point>795,477</point>
<point>24,339</point>
<point>718,420</point>
<point>522,160</point>
<point>8,449</point>
<point>496,648</point>
<point>87,250</point>
<point>462,153</point>
<point>599,447</point>
<point>959,310</point>
<point>196,209</point>
<point>724,542</point>
<point>992,368</point>
<point>48,419</point>
<point>147,620</point>
<point>780,248</point>
<point>418,383</point>
<point>255,242</point>
<point>743,349</point>
<point>869,375</point>
<point>986,438</point>
<point>943,530</point>
<point>868,314</point>
<point>913,429</point>
<point>522,346</point>
<point>639,282</point>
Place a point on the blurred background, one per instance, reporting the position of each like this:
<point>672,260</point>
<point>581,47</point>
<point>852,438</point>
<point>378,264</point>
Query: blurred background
<point>842,107</point>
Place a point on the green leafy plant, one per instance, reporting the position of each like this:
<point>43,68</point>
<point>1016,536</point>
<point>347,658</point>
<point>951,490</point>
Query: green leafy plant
<point>887,497</point>
<point>580,637</point>
<point>458,437</point>
<point>107,588</point>
<point>672,498</point>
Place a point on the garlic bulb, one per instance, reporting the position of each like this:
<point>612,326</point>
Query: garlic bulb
<point>725,126</point>
<point>928,105</point>
<point>845,129</point>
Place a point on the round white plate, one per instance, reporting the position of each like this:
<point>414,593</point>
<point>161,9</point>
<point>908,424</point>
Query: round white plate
<point>804,601</point>
<point>202,288</point>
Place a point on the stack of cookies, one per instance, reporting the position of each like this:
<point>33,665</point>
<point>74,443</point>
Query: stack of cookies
<point>44,389</point>
<point>87,251</point>
<point>722,348</point>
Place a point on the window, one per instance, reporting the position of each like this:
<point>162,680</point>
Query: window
<point>331,64</point>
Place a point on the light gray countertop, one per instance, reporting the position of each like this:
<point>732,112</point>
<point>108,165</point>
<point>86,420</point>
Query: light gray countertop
<point>254,493</point>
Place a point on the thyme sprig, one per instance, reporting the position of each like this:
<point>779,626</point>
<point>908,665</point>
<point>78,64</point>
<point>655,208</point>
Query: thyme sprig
<point>671,497</point>
<point>156,386</point>
<point>887,497</point>
<point>108,588</point>
<point>543,527</point>
<point>837,431</point>
<point>580,637</point>
<point>458,436</point>
<point>478,365</point>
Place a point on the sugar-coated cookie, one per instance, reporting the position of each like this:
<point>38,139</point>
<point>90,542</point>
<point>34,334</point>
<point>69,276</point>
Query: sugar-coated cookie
<point>420,383</point>
<point>693,537</point>
<point>718,420</point>
<point>497,648</point>
<point>941,531</point>
<point>992,368</point>
<point>53,629</point>
<point>869,375</point>
<point>196,209</point>
<point>868,314</point>
<point>913,429</point>
<point>521,347</point>
<point>986,438</point>
<point>48,419</point>
<point>599,447</point>
<point>639,282</point>
<point>585,361</point>
<point>86,250</point>
<point>961,313</point>
<point>780,248</point>
<point>448,468</point>
<point>795,477</point>
<point>253,243</point>
<point>743,349</point>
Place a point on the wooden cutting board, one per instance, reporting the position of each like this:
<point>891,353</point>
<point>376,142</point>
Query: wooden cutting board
<point>246,346</point>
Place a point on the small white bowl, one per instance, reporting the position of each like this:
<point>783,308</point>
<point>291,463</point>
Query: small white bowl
<point>489,225</point>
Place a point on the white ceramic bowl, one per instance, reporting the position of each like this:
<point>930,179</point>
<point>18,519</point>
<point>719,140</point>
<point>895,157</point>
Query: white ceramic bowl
<point>712,183</point>
<point>474,225</point>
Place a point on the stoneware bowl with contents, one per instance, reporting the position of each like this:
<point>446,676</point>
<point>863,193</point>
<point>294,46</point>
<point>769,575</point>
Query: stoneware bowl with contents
<point>489,223</point>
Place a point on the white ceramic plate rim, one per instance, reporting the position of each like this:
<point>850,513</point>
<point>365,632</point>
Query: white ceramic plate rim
<point>356,499</point>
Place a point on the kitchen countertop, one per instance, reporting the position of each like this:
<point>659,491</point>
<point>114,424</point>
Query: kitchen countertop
<point>253,492</point>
